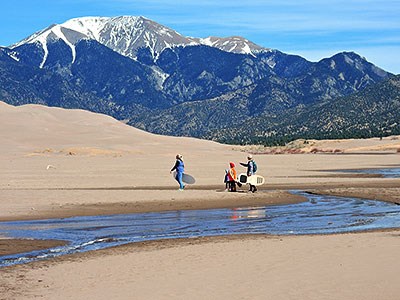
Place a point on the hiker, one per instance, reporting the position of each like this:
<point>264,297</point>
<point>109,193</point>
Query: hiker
<point>251,170</point>
<point>232,177</point>
<point>179,167</point>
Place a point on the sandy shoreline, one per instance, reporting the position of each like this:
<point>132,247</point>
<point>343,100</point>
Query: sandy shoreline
<point>146,201</point>
<point>387,194</point>
<point>15,246</point>
<point>362,266</point>
<point>150,199</point>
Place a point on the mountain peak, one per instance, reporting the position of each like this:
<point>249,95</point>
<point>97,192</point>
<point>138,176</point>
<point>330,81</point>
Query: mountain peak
<point>123,34</point>
<point>234,44</point>
<point>127,34</point>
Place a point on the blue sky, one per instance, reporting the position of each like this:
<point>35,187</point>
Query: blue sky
<point>313,29</point>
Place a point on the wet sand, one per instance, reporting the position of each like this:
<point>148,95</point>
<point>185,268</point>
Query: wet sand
<point>14,246</point>
<point>44,203</point>
<point>387,194</point>
<point>147,201</point>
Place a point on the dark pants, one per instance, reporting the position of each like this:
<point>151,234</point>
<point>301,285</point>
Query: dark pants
<point>232,186</point>
<point>253,188</point>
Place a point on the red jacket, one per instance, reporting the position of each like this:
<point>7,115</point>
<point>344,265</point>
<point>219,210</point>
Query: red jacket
<point>232,176</point>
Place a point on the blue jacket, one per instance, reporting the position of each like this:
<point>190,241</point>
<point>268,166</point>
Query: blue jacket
<point>179,166</point>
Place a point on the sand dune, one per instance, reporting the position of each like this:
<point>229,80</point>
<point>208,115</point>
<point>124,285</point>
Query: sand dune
<point>57,163</point>
<point>41,129</point>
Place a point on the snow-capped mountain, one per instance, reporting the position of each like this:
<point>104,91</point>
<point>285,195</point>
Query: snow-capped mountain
<point>154,78</point>
<point>234,44</point>
<point>127,34</point>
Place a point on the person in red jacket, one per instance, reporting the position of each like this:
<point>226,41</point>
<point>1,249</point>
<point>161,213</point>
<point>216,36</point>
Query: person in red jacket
<point>232,177</point>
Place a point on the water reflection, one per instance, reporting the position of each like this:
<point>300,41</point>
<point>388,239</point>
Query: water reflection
<point>251,212</point>
<point>319,215</point>
<point>385,172</point>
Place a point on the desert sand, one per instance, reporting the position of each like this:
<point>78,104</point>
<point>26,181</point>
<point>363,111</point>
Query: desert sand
<point>59,163</point>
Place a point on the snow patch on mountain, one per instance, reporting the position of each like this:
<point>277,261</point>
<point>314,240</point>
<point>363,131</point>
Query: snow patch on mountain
<point>54,32</point>
<point>88,26</point>
<point>13,55</point>
<point>126,34</point>
<point>160,77</point>
<point>234,44</point>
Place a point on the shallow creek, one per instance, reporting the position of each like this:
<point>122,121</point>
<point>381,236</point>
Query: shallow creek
<point>385,173</point>
<point>319,215</point>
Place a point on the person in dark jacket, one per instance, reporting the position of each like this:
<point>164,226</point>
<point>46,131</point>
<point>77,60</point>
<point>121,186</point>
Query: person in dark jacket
<point>226,180</point>
<point>250,170</point>
<point>179,167</point>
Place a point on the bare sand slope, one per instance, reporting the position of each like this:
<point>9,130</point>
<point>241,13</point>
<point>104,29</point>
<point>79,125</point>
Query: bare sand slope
<point>88,149</point>
<point>35,129</point>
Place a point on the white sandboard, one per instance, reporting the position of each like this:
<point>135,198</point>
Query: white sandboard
<point>186,178</point>
<point>253,179</point>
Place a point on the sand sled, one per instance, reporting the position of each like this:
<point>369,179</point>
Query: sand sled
<point>186,178</point>
<point>253,179</point>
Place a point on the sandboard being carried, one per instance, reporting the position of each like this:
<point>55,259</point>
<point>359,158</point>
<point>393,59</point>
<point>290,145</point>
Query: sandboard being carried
<point>253,179</point>
<point>186,178</point>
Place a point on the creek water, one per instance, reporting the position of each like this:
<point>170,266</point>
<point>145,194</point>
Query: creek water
<point>386,172</point>
<point>318,215</point>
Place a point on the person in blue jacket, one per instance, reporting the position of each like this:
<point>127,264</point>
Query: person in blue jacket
<point>179,167</point>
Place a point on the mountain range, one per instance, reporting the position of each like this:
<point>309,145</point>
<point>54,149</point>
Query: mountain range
<point>225,89</point>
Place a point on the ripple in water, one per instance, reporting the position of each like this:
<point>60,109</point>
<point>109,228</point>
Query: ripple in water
<point>319,215</point>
